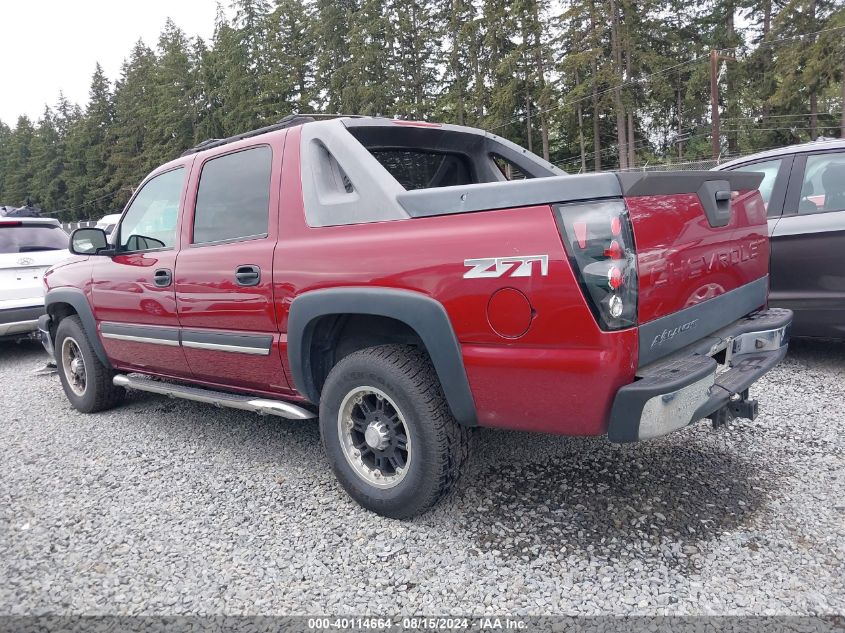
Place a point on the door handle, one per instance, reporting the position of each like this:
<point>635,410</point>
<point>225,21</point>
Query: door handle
<point>248,275</point>
<point>163,277</point>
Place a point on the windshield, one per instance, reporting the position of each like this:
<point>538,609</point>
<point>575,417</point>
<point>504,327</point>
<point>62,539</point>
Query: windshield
<point>28,238</point>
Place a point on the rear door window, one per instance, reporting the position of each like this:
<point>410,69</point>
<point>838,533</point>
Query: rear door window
<point>23,238</point>
<point>770,170</point>
<point>233,200</point>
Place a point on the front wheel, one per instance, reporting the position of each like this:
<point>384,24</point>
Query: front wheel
<point>86,381</point>
<point>388,432</point>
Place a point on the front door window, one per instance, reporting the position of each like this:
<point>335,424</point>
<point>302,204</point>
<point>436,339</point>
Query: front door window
<point>823,188</point>
<point>150,222</point>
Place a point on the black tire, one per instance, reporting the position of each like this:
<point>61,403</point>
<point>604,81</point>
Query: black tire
<point>98,392</point>
<point>437,443</point>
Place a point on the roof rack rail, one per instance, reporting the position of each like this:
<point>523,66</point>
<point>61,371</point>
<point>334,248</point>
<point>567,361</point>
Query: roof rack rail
<point>291,120</point>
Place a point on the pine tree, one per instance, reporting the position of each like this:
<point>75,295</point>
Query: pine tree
<point>5,137</point>
<point>173,110</point>
<point>18,173</point>
<point>288,85</point>
<point>502,88</point>
<point>332,25</point>
<point>211,68</point>
<point>416,30</point>
<point>584,35</point>
<point>48,187</point>
<point>526,61</point>
<point>459,57</point>
<point>89,152</point>
<point>134,119</point>
<point>371,86</point>
<point>243,66</point>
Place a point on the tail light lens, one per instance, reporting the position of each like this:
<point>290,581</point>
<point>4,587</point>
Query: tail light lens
<point>600,244</point>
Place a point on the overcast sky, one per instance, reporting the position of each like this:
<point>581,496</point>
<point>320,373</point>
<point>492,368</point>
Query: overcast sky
<point>52,45</point>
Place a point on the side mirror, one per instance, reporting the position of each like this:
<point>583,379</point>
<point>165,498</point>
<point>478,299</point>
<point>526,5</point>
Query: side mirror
<point>89,241</point>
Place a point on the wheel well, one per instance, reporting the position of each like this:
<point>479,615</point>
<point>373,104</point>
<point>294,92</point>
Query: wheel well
<point>57,312</point>
<point>336,336</point>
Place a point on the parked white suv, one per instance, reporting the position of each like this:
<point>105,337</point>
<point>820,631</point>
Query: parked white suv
<point>28,247</point>
<point>108,222</point>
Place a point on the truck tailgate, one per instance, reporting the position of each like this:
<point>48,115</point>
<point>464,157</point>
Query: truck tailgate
<point>700,239</point>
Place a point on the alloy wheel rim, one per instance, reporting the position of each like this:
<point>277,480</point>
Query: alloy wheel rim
<point>374,437</point>
<point>73,365</point>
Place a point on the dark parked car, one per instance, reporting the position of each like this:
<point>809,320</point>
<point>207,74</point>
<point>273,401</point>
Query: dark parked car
<point>804,192</point>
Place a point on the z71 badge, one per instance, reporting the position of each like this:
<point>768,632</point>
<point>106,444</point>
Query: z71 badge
<point>506,266</point>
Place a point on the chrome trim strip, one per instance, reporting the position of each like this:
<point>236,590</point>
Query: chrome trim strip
<point>219,347</point>
<point>237,343</point>
<point>155,333</point>
<point>140,339</point>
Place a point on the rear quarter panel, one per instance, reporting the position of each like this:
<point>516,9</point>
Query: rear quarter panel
<point>558,377</point>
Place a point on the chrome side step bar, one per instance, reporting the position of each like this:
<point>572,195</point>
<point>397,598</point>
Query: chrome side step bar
<point>261,406</point>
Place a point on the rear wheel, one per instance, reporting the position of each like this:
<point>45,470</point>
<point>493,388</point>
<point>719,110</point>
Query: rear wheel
<point>86,381</point>
<point>388,432</point>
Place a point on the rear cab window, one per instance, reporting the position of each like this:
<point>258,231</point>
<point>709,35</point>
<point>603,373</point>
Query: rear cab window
<point>17,237</point>
<point>421,169</point>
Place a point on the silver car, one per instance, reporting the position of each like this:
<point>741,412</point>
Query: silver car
<point>28,247</point>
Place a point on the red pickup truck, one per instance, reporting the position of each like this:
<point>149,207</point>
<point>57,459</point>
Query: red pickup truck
<point>407,281</point>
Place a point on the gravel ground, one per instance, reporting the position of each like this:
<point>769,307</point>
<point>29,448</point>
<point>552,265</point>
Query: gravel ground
<point>169,507</point>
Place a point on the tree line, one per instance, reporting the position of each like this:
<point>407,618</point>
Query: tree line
<point>589,84</point>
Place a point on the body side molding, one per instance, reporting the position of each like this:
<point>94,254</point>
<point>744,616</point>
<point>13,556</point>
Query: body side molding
<point>153,334</point>
<point>427,317</point>
<point>238,343</point>
<point>220,341</point>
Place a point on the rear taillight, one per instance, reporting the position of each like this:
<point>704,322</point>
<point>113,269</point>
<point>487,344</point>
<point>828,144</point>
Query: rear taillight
<point>600,244</point>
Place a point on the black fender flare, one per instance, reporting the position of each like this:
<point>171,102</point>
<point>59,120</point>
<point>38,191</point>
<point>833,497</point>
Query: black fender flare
<point>77,300</point>
<point>426,316</point>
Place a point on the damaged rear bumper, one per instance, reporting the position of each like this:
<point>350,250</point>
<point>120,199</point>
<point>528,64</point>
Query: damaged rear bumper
<point>691,384</point>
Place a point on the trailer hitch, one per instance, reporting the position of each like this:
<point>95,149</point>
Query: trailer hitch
<point>739,406</point>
